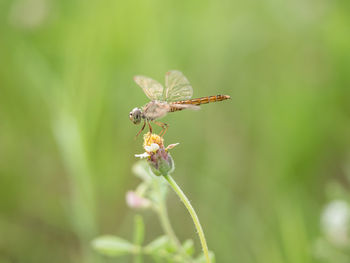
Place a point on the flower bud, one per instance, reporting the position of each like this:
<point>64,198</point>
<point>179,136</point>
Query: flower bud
<point>136,201</point>
<point>157,156</point>
<point>161,162</point>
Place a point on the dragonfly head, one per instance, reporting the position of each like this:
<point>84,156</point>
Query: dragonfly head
<point>135,115</point>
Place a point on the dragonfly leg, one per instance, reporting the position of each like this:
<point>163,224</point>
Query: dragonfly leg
<point>164,127</point>
<point>150,130</point>
<point>150,127</point>
<point>143,127</point>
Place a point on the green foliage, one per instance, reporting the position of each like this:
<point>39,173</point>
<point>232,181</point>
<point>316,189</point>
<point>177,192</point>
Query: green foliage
<point>139,230</point>
<point>201,258</point>
<point>165,248</point>
<point>161,243</point>
<point>188,246</point>
<point>112,246</point>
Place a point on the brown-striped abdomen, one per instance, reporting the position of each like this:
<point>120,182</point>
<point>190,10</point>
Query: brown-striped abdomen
<point>199,101</point>
<point>204,100</point>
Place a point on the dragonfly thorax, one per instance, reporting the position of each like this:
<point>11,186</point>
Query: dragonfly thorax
<point>135,115</point>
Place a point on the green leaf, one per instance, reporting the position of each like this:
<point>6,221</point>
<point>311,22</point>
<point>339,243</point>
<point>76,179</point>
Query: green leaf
<point>202,259</point>
<point>188,247</point>
<point>112,246</point>
<point>160,243</point>
<point>139,230</point>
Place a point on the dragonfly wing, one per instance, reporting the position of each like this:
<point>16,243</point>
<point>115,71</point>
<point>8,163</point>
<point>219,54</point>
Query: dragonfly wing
<point>152,88</point>
<point>177,86</point>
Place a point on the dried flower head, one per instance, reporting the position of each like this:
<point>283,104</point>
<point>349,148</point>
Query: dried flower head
<point>157,156</point>
<point>151,138</point>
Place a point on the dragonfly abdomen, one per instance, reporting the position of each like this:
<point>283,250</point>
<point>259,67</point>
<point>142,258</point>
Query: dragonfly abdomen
<point>197,101</point>
<point>204,100</point>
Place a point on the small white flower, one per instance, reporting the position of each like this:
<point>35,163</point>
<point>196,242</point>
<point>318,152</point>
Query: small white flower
<point>149,150</point>
<point>142,155</point>
<point>335,222</point>
<point>171,146</point>
<point>152,148</point>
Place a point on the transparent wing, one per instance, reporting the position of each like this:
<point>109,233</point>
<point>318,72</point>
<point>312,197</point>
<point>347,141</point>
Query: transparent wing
<point>152,88</point>
<point>177,86</point>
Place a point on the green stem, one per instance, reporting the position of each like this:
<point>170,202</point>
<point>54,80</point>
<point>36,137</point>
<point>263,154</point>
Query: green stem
<point>164,220</point>
<point>137,258</point>
<point>162,213</point>
<point>193,214</point>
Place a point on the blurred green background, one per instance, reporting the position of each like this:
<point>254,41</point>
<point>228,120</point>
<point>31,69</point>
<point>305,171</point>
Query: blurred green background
<point>258,169</point>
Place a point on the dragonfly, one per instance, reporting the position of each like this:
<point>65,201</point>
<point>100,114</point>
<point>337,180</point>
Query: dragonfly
<point>176,96</point>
